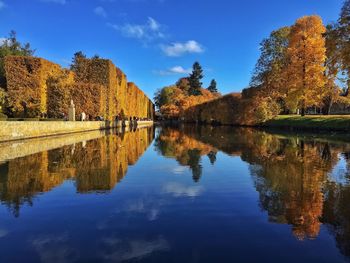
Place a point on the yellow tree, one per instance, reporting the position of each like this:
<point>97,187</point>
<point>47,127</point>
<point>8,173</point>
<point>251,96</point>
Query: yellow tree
<point>307,55</point>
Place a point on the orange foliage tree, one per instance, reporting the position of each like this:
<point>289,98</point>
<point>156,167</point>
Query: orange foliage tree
<point>173,101</point>
<point>307,55</point>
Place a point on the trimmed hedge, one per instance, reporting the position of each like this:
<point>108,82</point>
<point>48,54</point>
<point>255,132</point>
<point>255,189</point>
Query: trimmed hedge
<point>232,109</point>
<point>26,84</point>
<point>37,86</point>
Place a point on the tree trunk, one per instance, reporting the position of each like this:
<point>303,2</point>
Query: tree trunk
<point>302,112</point>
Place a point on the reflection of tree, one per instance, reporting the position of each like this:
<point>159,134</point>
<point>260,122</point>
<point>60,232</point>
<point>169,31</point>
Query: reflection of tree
<point>337,210</point>
<point>194,163</point>
<point>291,174</point>
<point>212,157</point>
<point>289,182</point>
<point>96,165</point>
<point>186,150</point>
<point>288,171</point>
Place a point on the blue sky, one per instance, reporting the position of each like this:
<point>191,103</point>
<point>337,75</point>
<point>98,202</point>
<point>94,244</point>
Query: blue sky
<point>155,42</point>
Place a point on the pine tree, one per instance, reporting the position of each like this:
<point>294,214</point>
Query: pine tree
<point>195,80</point>
<point>212,87</point>
<point>78,56</point>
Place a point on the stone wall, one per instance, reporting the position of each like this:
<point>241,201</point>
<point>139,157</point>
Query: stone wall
<point>14,130</point>
<point>17,130</point>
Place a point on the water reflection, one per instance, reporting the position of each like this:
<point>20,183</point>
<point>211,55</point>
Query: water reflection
<point>293,175</point>
<point>178,144</point>
<point>95,166</point>
<point>270,192</point>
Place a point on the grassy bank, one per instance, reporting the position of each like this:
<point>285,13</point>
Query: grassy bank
<point>315,122</point>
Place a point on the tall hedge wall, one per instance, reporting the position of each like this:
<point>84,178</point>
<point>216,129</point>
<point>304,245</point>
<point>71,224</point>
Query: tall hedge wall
<point>59,94</point>
<point>122,86</point>
<point>138,104</point>
<point>101,72</point>
<point>26,84</point>
<point>43,87</point>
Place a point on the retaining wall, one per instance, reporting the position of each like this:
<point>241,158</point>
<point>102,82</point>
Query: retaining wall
<point>32,129</point>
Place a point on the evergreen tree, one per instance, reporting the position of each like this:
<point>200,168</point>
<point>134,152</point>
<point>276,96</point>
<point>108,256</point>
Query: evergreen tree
<point>195,80</point>
<point>212,87</point>
<point>76,60</point>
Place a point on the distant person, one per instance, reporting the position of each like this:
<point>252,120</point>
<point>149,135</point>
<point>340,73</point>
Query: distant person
<point>83,116</point>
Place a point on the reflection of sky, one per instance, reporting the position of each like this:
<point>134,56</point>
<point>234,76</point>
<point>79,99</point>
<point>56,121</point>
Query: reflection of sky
<point>54,248</point>
<point>339,173</point>
<point>157,209</point>
<point>117,250</point>
<point>177,190</point>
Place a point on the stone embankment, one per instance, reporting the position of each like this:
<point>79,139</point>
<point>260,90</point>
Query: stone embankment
<point>18,130</point>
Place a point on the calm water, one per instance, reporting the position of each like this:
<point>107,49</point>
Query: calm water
<point>188,194</point>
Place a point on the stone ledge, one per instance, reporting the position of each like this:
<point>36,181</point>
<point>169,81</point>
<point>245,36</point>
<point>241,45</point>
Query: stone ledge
<point>10,131</point>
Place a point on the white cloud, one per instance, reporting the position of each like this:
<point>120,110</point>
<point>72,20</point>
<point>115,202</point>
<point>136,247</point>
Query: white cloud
<point>2,40</point>
<point>62,2</point>
<point>153,24</point>
<point>178,190</point>
<point>2,5</point>
<point>173,71</point>
<point>147,32</point>
<point>180,70</point>
<point>178,49</point>
<point>100,11</point>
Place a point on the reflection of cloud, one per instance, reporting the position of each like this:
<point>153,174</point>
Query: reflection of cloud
<point>177,189</point>
<point>120,250</point>
<point>3,233</point>
<point>54,249</point>
<point>140,207</point>
<point>150,209</point>
<point>179,169</point>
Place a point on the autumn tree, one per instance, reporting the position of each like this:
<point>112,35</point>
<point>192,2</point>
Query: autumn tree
<point>272,62</point>
<point>307,54</point>
<point>212,87</point>
<point>183,84</point>
<point>11,46</point>
<point>195,80</point>
<point>333,66</point>
<point>344,39</point>
<point>163,96</point>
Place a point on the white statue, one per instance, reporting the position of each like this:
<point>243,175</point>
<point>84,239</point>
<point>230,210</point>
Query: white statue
<point>71,111</point>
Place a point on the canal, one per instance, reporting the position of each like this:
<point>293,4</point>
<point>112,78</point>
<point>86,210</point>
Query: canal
<point>176,194</point>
